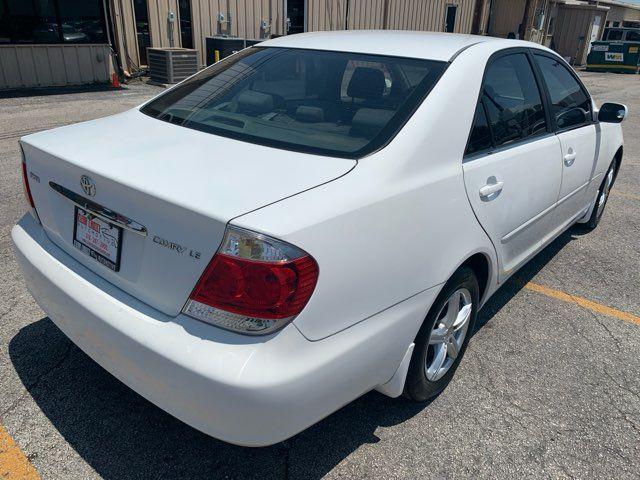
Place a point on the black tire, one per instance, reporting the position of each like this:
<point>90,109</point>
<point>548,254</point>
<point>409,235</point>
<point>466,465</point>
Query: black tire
<point>417,386</point>
<point>596,215</point>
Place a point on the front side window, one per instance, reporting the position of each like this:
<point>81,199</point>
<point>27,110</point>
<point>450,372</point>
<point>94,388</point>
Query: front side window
<point>570,105</point>
<point>329,103</point>
<point>512,100</point>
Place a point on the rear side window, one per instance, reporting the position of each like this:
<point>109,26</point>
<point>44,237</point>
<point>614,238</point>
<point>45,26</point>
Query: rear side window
<point>512,100</point>
<point>480,137</point>
<point>329,103</point>
<point>569,103</point>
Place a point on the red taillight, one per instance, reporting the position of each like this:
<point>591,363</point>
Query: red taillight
<point>25,184</point>
<point>255,284</point>
<point>27,189</point>
<point>257,289</point>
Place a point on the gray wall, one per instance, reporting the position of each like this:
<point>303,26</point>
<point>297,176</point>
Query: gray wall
<point>388,14</point>
<point>247,15</point>
<point>54,65</point>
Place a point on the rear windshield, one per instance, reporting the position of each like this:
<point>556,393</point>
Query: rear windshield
<point>329,103</point>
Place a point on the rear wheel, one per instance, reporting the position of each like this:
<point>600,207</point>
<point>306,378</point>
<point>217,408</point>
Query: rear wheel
<point>603,197</point>
<point>443,337</point>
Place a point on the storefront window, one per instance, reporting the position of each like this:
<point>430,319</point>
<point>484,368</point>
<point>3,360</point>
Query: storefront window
<point>52,21</point>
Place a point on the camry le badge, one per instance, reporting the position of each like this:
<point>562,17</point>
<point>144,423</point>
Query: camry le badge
<point>88,185</point>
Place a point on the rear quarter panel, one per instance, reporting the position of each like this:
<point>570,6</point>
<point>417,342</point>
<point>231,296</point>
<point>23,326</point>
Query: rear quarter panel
<point>396,225</point>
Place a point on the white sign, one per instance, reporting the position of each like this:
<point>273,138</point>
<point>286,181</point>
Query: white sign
<point>614,57</point>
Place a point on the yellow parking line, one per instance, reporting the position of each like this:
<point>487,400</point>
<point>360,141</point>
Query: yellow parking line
<point>583,302</point>
<point>14,465</point>
<point>626,195</point>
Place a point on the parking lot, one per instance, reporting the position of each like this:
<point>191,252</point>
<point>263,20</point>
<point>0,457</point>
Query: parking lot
<point>549,388</point>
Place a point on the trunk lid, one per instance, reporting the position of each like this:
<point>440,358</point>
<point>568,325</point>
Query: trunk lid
<point>182,185</point>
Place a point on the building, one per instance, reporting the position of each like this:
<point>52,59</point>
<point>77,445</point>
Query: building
<point>54,42</point>
<point>574,25</point>
<point>620,14</point>
<point>525,19</point>
<point>66,42</point>
<point>70,42</point>
<point>187,23</point>
<point>566,26</point>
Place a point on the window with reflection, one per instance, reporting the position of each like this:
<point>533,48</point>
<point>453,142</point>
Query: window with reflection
<point>512,100</point>
<point>570,105</point>
<point>52,21</point>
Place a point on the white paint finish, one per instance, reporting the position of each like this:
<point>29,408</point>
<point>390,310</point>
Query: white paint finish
<point>182,185</point>
<point>216,176</point>
<point>395,386</point>
<point>387,232</point>
<point>387,217</point>
<point>401,43</point>
<point>250,391</point>
<point>514,218</point>
<point>579,157</point>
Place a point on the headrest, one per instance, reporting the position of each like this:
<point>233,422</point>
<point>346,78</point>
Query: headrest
<point>367,122</point>
<point>256,103</point>
<point>367,83</point>
<point>309,114</point>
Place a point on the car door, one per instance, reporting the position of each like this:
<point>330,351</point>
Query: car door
<point>512,167</point>
<point>572,117</point>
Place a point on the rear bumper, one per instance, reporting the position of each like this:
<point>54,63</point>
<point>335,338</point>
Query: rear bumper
<point>245,390</point>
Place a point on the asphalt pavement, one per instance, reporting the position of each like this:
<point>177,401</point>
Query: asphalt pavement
<point>549,387</point>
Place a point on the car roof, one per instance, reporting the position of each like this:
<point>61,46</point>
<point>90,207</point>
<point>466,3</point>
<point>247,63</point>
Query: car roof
<point>397,43</point>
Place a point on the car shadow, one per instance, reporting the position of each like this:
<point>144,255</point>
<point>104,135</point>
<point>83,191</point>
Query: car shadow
<point>123,436</point>
<point>518,281</point>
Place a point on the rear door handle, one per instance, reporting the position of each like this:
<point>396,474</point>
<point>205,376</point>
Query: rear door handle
<point>491,189</point>
<point>569,158</point>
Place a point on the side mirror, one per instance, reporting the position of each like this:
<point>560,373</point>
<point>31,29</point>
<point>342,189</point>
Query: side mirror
<point>612,113</point>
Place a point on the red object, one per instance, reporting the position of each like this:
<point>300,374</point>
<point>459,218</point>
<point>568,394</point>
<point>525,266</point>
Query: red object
<point>115,82</point>
<point>25,184</point>
<point>255,288</point>
<point>82,219</point>
<point>94,226</point>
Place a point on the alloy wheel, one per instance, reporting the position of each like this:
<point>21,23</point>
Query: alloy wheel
<point>448,334</point>
<point>604,194</point>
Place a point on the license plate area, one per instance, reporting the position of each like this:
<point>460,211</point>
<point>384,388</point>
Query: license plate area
<point>97,238</point>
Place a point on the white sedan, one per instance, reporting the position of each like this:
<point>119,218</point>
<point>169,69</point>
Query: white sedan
<point>310,219</point>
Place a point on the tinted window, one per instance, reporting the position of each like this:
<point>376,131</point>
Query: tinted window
<point>633,36</point>
<point>614,34</point>
<point>569,103</point>
<point>352,65</point>
<point>512,100</point>
<point>342,104</point>
<point>52,21</point>
<point>480,137</point>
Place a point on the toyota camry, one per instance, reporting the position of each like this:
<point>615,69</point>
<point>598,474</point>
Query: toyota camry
<point>310,219</point>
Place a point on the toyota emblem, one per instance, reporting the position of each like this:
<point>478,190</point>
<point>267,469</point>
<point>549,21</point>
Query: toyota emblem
<point>88,186</point>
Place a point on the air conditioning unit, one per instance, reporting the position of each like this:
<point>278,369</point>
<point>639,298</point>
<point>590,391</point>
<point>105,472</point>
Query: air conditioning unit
<point>171,65</point>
